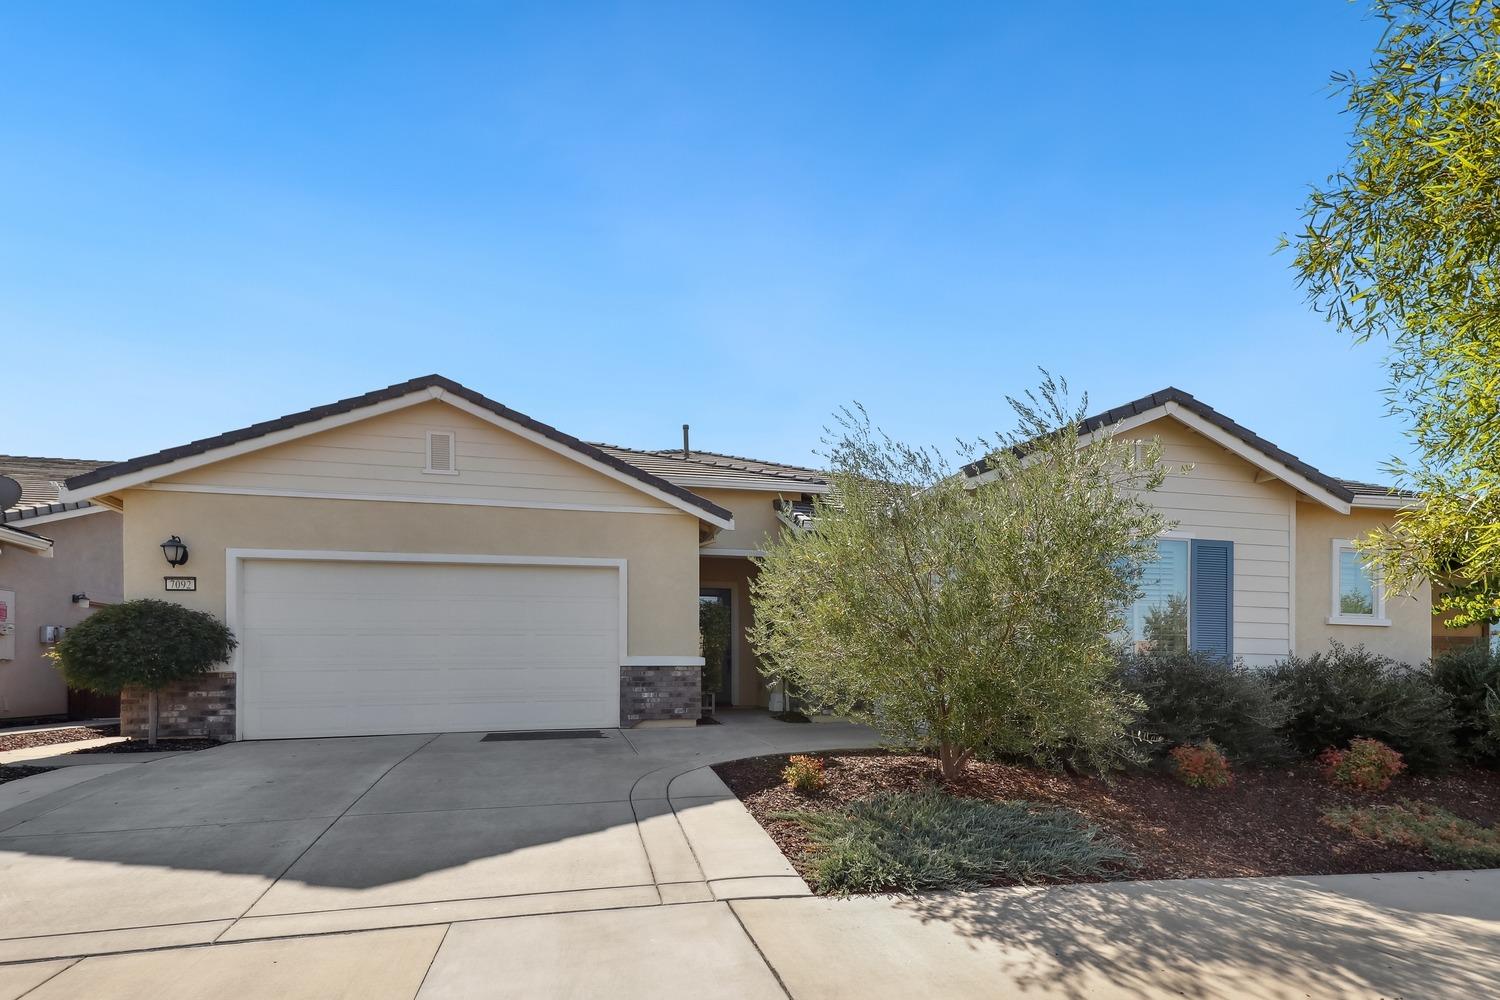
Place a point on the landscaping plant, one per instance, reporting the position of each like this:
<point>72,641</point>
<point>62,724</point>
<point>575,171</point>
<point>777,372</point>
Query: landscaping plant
<point>804,774</point>
<point>142,644</point>
<point>1471,678</point>
<point>1428,828</point>
<point>965,620</point>
<point>1201,765</point>
<point>1402,246</point>
<point>909,841</point>
<point>1192,697</point>
<point>1345,693</point>
<point>1368,765</point>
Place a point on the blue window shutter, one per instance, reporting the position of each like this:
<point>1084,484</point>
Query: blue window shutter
<point>1211,605</point>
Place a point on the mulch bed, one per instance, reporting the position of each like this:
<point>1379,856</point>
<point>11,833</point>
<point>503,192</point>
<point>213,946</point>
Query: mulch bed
<point>47,737</point>
<point>15,772</point>
<point>141,746</point>
<point>1269,822</point>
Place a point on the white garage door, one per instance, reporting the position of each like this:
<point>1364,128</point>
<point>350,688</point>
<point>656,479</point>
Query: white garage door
<point>365,648</point>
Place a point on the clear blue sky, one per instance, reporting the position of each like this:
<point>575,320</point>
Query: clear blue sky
<point>618,218</point>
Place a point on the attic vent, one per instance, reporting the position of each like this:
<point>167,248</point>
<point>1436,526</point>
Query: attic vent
<point>440,453</point>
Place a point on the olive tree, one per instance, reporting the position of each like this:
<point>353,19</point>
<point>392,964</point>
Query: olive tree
<point>967,614</point>
<point>144,643</point>
<point>1402,246</point>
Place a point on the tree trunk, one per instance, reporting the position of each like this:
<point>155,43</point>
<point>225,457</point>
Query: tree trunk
<point>151,717</point>
<point>952,759</point>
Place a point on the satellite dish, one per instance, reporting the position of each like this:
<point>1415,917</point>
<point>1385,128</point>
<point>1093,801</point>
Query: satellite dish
<point>10,492</point>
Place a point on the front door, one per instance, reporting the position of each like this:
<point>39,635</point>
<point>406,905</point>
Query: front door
<point>724,596</point>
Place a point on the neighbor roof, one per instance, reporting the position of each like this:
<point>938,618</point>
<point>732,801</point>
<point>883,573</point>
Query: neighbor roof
<point>1349,491</point>
<point>426,382</point>
<point>711,470</point>
<point>41,481</point>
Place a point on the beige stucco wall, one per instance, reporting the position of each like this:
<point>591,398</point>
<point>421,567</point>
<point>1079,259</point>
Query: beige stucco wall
<point>86,560</point>
<point>1409,636</point>
<point>754,517</point>
<point>661,550</point>
<point>736,572</point>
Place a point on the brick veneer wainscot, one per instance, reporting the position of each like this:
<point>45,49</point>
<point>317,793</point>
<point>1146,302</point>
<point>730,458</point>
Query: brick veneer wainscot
<point>649,694</point>
<point>201,706</point>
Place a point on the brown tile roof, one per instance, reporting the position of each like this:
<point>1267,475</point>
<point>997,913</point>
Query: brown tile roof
<point>1173,395</point>
<point>41,481</point>
<point>395,391</point>
<point>710,470</point>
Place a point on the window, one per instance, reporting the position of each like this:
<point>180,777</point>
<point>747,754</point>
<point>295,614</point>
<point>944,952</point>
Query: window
<point>1186,600</point>
<point>1158,620</point>
<point>441,453</point>
<point>1358,598</point>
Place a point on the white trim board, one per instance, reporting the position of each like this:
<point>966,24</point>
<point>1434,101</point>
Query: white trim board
<point>61,515</point>
<point>233,616</point>
<point>255,491</point>
<point>133,479</point>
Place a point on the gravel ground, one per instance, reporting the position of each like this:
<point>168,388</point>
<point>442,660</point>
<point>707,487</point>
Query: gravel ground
<point>1268,822</point>
<point>47,737</point>
<point>141,746</point>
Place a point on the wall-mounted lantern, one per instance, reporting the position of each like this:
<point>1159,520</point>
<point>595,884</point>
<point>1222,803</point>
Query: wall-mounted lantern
<point>175,551</point>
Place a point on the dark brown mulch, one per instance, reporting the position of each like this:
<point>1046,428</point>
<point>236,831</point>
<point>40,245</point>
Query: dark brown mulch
<point>141,746</point>
<point>47,737</point>
<point>14,772</point>
<point>1269,822</point>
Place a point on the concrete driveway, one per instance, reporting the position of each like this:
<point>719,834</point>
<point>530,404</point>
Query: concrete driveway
<point>291,837</point>
<point>444,867</point>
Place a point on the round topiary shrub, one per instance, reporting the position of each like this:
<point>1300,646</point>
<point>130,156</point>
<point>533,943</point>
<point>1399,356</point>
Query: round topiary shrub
<point>146,644</point>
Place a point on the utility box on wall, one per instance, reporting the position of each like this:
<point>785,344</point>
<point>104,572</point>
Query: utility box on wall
<point>7,624</point>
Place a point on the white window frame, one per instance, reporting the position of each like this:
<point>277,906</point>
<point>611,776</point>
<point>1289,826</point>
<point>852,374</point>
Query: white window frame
<point>1377,588</point>
<point>452,469</point>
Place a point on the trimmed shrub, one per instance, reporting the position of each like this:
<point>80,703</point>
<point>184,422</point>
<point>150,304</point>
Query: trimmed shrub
<point>1438,832</point>
<point>1201,765</point>
<point>804,774</point>
<point>909,841</point>
<point>1347,693</point>
<point>1471,678</point>
<point>1368,765</point>
<point>1193,697</point>
<point>144,644</point>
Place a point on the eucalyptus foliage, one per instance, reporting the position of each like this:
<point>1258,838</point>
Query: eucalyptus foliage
<point>960,619</point>
<point>1403,245</point>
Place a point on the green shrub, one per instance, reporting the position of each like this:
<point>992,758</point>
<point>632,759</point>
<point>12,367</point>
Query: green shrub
<point>145,644</point>
<point>1368,765</point>
<point>1435,831</point>
<point>1471,677</point>
<point>908,841</point>
<point>1346,693</point>
<point>1192,697</point>
<point>804,774</point>
<point>1201,765</point>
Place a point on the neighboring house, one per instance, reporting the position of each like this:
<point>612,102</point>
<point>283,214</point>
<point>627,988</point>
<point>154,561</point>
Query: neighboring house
<point>421,558</point>
<point>50,550</point>
<point>1260,560</point>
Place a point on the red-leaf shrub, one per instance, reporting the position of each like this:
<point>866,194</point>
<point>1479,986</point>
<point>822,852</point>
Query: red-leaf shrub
<point>804,774</point>
<point>1201,765</point>
<point>1368,765</point>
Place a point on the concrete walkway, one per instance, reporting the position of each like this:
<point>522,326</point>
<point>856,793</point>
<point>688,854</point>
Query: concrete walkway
<point>1431,936</point>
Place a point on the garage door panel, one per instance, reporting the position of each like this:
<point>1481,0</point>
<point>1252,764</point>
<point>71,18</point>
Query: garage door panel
<point>355,648</point>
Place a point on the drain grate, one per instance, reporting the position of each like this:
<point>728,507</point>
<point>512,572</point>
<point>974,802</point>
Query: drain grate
<point>544,734</point>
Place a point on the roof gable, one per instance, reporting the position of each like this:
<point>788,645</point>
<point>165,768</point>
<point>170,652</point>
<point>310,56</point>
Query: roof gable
<point>174,461</point>
<point>1234,437</point>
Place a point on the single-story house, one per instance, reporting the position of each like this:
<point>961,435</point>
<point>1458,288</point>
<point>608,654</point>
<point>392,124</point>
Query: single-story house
<point>56,559</point>
<point>1260,560</point>
<point>422,558</point>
